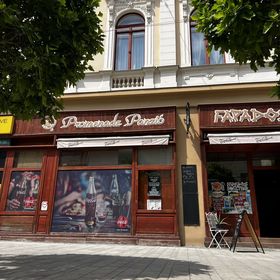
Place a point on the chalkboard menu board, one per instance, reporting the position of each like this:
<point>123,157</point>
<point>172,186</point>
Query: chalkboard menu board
<point>190,195</point>
<point>244,217</point>
<point>237,231</point>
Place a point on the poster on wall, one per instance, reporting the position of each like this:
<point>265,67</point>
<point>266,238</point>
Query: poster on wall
<point>153,204</point>
<point>23,191</point>
<point>230,197</point>
<point>154,187</point>
<point>218,191</point>
<point>96,201</point>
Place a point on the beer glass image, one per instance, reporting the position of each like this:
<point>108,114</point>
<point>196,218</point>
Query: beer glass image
<point>90,219</point>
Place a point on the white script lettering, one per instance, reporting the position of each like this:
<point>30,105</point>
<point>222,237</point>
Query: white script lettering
<point>138,120</point>
<point>241,115</point>
<point>72,120</point>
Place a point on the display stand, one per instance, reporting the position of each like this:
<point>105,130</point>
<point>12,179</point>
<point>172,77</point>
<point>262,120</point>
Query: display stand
<point>244,217</point>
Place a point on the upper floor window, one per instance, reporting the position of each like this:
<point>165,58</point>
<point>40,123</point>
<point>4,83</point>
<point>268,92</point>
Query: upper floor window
<point>200,56</point>
<point>130,32</point>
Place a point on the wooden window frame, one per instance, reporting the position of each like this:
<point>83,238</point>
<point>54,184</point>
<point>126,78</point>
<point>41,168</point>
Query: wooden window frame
<point>7,173</point>
<point>206,55</point>
<point>128,29</point>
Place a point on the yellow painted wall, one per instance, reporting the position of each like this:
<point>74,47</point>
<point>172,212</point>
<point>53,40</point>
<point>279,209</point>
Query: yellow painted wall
<point>98,62</point>
<point>188,152</point>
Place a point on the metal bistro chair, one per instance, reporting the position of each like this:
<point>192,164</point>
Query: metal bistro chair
<point>217,234</point>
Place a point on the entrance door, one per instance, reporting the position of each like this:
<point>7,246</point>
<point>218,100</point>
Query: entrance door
<point>267,186</point>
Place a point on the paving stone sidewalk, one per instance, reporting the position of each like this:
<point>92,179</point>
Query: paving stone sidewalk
<point>23,260</point>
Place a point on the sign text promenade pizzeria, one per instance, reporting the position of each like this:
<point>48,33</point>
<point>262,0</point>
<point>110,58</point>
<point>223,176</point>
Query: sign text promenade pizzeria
<point>96,122</point>
<point>129,120</point>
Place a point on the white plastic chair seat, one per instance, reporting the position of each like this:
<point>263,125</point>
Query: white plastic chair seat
<point>217,234</point>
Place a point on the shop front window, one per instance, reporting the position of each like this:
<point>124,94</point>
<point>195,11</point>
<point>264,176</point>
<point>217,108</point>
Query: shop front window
<point>24,181</point>
<point>28,159</point>
<point>2,164</point>
<point>96,157</point>
<point>2,159</point>
<point>23,191</point>
<point>149,156</point>
<point>266,160</point>
<point>96,201</point>
<point>155,190</point>
<point>228,185</point>
<point>155,184</point>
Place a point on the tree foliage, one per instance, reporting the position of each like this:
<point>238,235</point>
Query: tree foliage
<point>44,45</point>
<point>249,30</point>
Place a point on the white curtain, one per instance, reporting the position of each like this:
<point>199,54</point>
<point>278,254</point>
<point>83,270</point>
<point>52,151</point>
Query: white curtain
<point>122,52</point>
<point>216,57</point>
<point>198,48</point>
<point>199,51</point>
<point>137,50</point>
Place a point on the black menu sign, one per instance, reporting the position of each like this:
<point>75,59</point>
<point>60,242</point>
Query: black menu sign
<point>190,195</point>
<point>154,186</point>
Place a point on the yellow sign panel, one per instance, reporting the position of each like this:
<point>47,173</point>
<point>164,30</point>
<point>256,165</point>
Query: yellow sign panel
<point>6,124</point>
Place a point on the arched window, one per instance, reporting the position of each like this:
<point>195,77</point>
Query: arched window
<point>199,49</point>
<point>129,51</point>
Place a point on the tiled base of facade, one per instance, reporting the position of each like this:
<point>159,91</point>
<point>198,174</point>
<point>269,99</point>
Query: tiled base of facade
<point>273,243</point>
<point>151,240</point>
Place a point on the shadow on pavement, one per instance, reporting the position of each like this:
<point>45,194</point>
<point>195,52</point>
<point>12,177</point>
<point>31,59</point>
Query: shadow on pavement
<point>83,266</point>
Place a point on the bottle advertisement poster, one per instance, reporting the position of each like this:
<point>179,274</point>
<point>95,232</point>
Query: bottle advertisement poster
<point>23,191</point>
<point>94,201</point>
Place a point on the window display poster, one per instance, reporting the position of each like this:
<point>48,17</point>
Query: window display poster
<point>230,197</point>
<point>23,191</point>
<point>154,187</point>
<point>153,204</point>
<point>96,201</point>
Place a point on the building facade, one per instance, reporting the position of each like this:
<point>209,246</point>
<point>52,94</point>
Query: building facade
<point>160,133</point>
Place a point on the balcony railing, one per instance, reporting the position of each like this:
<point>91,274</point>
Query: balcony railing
<point>127,79</point>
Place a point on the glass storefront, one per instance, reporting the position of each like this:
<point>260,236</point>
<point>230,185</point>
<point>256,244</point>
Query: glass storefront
<point>228,184</point>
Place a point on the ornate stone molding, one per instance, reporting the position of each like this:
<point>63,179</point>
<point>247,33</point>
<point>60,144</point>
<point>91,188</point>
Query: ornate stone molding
<point>111,8</point>
<point>149,7</point>
<point>185,10</point>
<point>117,6</point>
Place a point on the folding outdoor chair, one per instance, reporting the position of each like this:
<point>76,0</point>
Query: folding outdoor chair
<point>217,234</point>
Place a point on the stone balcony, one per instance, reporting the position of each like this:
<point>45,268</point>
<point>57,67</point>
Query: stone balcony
<point>170,77</point>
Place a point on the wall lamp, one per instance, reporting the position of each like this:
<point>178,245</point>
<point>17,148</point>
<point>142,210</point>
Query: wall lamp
<point>188,117</point>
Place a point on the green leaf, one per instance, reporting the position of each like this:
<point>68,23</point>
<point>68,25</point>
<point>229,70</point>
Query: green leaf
<point>267,26</point>
<point>44,43</point>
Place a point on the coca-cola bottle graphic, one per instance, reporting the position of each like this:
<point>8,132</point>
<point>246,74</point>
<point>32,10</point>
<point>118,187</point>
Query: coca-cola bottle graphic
<point>21,193</point>
<point>35,189</point>
<point>125,205</point>
<point>115,196</point>
<point>31,201</point>
<point>90,219</point>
